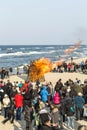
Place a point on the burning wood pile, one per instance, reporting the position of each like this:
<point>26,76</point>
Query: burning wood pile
<point>38,68</point>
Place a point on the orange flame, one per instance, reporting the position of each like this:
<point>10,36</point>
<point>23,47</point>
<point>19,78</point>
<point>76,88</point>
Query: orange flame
<point>39,67</point>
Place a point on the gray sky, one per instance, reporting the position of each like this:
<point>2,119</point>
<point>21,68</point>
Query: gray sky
<point>43,21</point>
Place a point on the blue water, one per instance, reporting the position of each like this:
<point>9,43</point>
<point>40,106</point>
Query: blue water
<point>13,56</point>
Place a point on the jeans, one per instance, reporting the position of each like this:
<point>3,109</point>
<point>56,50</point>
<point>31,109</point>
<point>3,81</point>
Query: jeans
<point>70,122</point>
<point>18,113</point>
<point>79,113</point>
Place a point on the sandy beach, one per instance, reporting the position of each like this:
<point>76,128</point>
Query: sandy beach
<point>51,76</point>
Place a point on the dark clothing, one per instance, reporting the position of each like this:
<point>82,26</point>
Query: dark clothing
<point>45,127</point>
<point>9,113</point>
<point>79,113</point>
<point>85,93</point>
<point>69,112</point>
<point>85,90</point>
<point>28,116</point>
<point>69,106</point>
<point>29,125</point>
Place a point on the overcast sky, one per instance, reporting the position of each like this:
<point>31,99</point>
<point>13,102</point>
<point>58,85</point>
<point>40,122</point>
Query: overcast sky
<point>43,21</point>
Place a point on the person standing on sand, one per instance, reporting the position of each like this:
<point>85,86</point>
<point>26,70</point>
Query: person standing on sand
<point>85,91</point>
<point>28,114</point>
<point>19,105</point>
<point>6,104</point>
<point>79,102</point>
<point>17,70</point>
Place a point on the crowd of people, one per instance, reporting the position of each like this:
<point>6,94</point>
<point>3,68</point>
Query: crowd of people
<point>44,106</point>
<point>6,72</point>
<point>72,67</point>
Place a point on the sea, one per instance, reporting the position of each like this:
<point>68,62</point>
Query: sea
<point>20,55</point>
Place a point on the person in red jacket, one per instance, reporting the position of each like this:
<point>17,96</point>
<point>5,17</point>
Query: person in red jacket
<point>19,105</point>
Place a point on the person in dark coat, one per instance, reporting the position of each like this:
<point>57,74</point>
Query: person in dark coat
<point>69,110</point>
<point>46,124</point>
<point>85,91</point>
<point>28,115</point>
<point>1,98</point>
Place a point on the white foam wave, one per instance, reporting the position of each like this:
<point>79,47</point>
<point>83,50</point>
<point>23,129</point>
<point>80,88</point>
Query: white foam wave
<point>52,51</point>
<point>75,52</point>
<point>49,47</point>
<point>9,48</point>
<point>84,48</point>
<point>26,53</point>
<point>22,48</point>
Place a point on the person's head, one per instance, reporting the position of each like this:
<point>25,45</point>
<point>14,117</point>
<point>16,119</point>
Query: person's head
<point>82,127</point>
<point>79,94</point>
<point>85,81</point>
<point>5,96</point>
<point>45,119</point>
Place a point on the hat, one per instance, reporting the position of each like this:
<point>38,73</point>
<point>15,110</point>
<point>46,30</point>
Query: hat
<point>5,95</point>
<point>79,94</point>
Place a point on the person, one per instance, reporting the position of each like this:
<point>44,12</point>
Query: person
<point>6,103</point>
<point>28,109</point>
<point>56,98</point>
<point>69,111</point>
<point>55,116</point>
<point>10,112</point>
<point>44,94</point>
<point>46,123</point>
<point>19,105</point>
<point>1,98</point>
<point>79,103</point>
<point>17,70</point>
<point>85,90</point>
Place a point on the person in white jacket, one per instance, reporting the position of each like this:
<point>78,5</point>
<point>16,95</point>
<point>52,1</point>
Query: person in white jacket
<point>6,104</point>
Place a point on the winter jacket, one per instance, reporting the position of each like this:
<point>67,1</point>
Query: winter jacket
<point>45,127</point>
<point>56,98</point>
<point>44,94</point>
<point>79,101</point>
<point>18,100</point>
<point>55,115</point>
<point>6,102</point>
<point>28,113</point>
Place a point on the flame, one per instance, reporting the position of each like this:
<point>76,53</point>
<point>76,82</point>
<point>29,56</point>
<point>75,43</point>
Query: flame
<point>39,67</point>
<point>72,48</point>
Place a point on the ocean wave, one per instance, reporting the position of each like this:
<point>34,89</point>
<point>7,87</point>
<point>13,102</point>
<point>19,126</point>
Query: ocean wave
<point>84,48</point>
<point>52,51</point>
<point>75,52</point>
<point>22,48</point>
<point>49,47</point>
<point>9,48</point>
<point>20,53</point>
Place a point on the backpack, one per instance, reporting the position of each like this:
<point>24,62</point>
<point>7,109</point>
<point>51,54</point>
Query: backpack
<point>70,106</point>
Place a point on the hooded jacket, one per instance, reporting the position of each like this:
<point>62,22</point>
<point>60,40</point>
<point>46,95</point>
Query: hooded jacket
<point>44,94</point>
<point>56,98</point>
